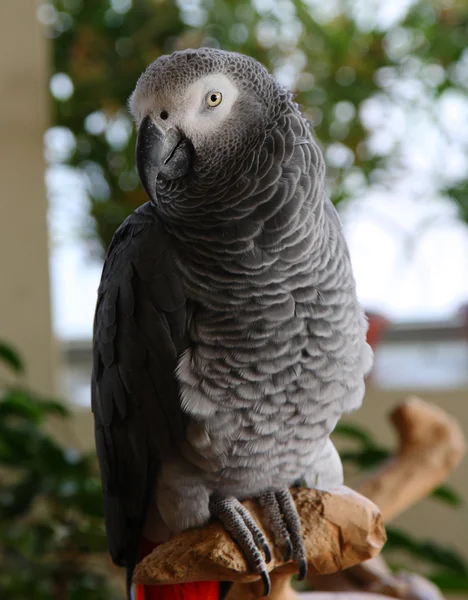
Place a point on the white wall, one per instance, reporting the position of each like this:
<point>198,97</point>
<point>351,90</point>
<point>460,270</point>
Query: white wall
<point>24,275</point>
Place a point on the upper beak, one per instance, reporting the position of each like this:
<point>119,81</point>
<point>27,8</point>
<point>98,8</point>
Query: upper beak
<point>168,154</point>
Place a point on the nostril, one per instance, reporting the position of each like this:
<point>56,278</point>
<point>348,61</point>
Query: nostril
<point>164,114</point>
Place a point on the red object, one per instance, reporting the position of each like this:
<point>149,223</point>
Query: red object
<point>196,590</point>
<point>378,324</point>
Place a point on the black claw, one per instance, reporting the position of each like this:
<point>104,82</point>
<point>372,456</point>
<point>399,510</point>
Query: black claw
<point>266,583</point>
<point>302,570</point>
<point>267,553</point>
<point>288,551</point>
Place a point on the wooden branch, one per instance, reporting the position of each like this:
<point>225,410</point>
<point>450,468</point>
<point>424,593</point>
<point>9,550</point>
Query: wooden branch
<point>340,528</point>
<point>431,444</point>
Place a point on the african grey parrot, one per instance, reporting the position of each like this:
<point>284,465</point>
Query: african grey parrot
<point>228,339</point>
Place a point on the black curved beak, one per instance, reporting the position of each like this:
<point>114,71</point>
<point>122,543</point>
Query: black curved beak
<point>165,154</point>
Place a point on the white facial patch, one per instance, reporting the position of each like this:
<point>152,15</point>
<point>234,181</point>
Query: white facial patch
<point>199,117</point>
<point>139,105</point>
<point>187,109</point>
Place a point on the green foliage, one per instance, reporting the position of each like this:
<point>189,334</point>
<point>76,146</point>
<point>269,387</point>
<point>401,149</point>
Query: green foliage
<point>335,62</point>
<point>11,358</point>
<point>52,541</point>
<point>428,551</point>
<point>448,495</point>
<point>443,565</point>
<point>450,582</point>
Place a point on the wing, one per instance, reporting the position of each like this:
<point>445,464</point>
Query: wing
<point>139,331</point>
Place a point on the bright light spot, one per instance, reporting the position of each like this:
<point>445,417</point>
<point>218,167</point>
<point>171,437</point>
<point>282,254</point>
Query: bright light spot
<point>121,6</point>
<point>377,14</point>
<point>119,132</point>
<point>64,22</point>
<point>338,155</point>
<point>459,73</point>
<point>434,75</point>
<point>285,75</point>
<point>344,111</point>
<point>324,12</point>
<point>288,70</point>
<point>95,181</point>
<point>385,76</point>
<point>398,43</point>
<point>266,33</point>
<point>192,13</point>
<point>47,14</point>
<point>238,33</point>
<point>290,33</point>
<point>60,143</point>
<point>453,107</point>
<point>305,82</point>
<point>95,123</point>
<point>61,86</point>
<point>194,18</point>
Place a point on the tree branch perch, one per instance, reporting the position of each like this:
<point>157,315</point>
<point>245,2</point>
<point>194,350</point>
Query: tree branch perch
<point>341,528</point>
<point>430,446</point>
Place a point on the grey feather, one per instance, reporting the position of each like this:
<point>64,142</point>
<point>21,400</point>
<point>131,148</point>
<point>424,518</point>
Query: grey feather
<point>228,336</point>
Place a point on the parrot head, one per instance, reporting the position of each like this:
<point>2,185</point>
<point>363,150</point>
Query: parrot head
<point>200,115</point>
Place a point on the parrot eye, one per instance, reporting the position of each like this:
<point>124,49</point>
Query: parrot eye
<point>214,99</point>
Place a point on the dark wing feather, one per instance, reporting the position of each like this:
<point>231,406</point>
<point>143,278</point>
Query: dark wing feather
<point>139,332</point>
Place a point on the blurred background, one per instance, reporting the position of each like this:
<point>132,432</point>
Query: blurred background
<point>385,86</point>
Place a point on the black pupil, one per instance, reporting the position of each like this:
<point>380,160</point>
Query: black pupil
<point>164,115</point>
<point>214,97</point>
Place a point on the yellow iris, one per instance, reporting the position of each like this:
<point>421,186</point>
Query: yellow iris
<point>214,99</point>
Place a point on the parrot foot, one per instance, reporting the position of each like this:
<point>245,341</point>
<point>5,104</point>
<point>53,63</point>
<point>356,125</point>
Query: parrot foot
<point>284,522</point>
<point>245,532</point>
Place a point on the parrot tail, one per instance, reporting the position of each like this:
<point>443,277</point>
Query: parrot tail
<point>197,590</point>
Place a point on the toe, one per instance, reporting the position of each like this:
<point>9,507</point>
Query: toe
<point>276,524</point>
<point>293,524</point>
<point>288,550</point>
<point>245,532</point>
<point>256,532</point>
<point>302,569</point>
<point>266,583</point>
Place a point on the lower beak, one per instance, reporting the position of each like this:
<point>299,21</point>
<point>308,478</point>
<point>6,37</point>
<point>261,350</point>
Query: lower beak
<point>160,153</point>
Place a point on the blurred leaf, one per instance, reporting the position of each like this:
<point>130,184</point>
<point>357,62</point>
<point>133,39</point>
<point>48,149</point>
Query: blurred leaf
<point>50,504</point>
<point>448,495</point>
<point>18,403</point>
<point>428,551</point>
<point>355,432</point>
<point>450,582</point>
<point>21,496</point>
<point>53,407</point>
<point>11,358</point>
<point>366,459</point>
